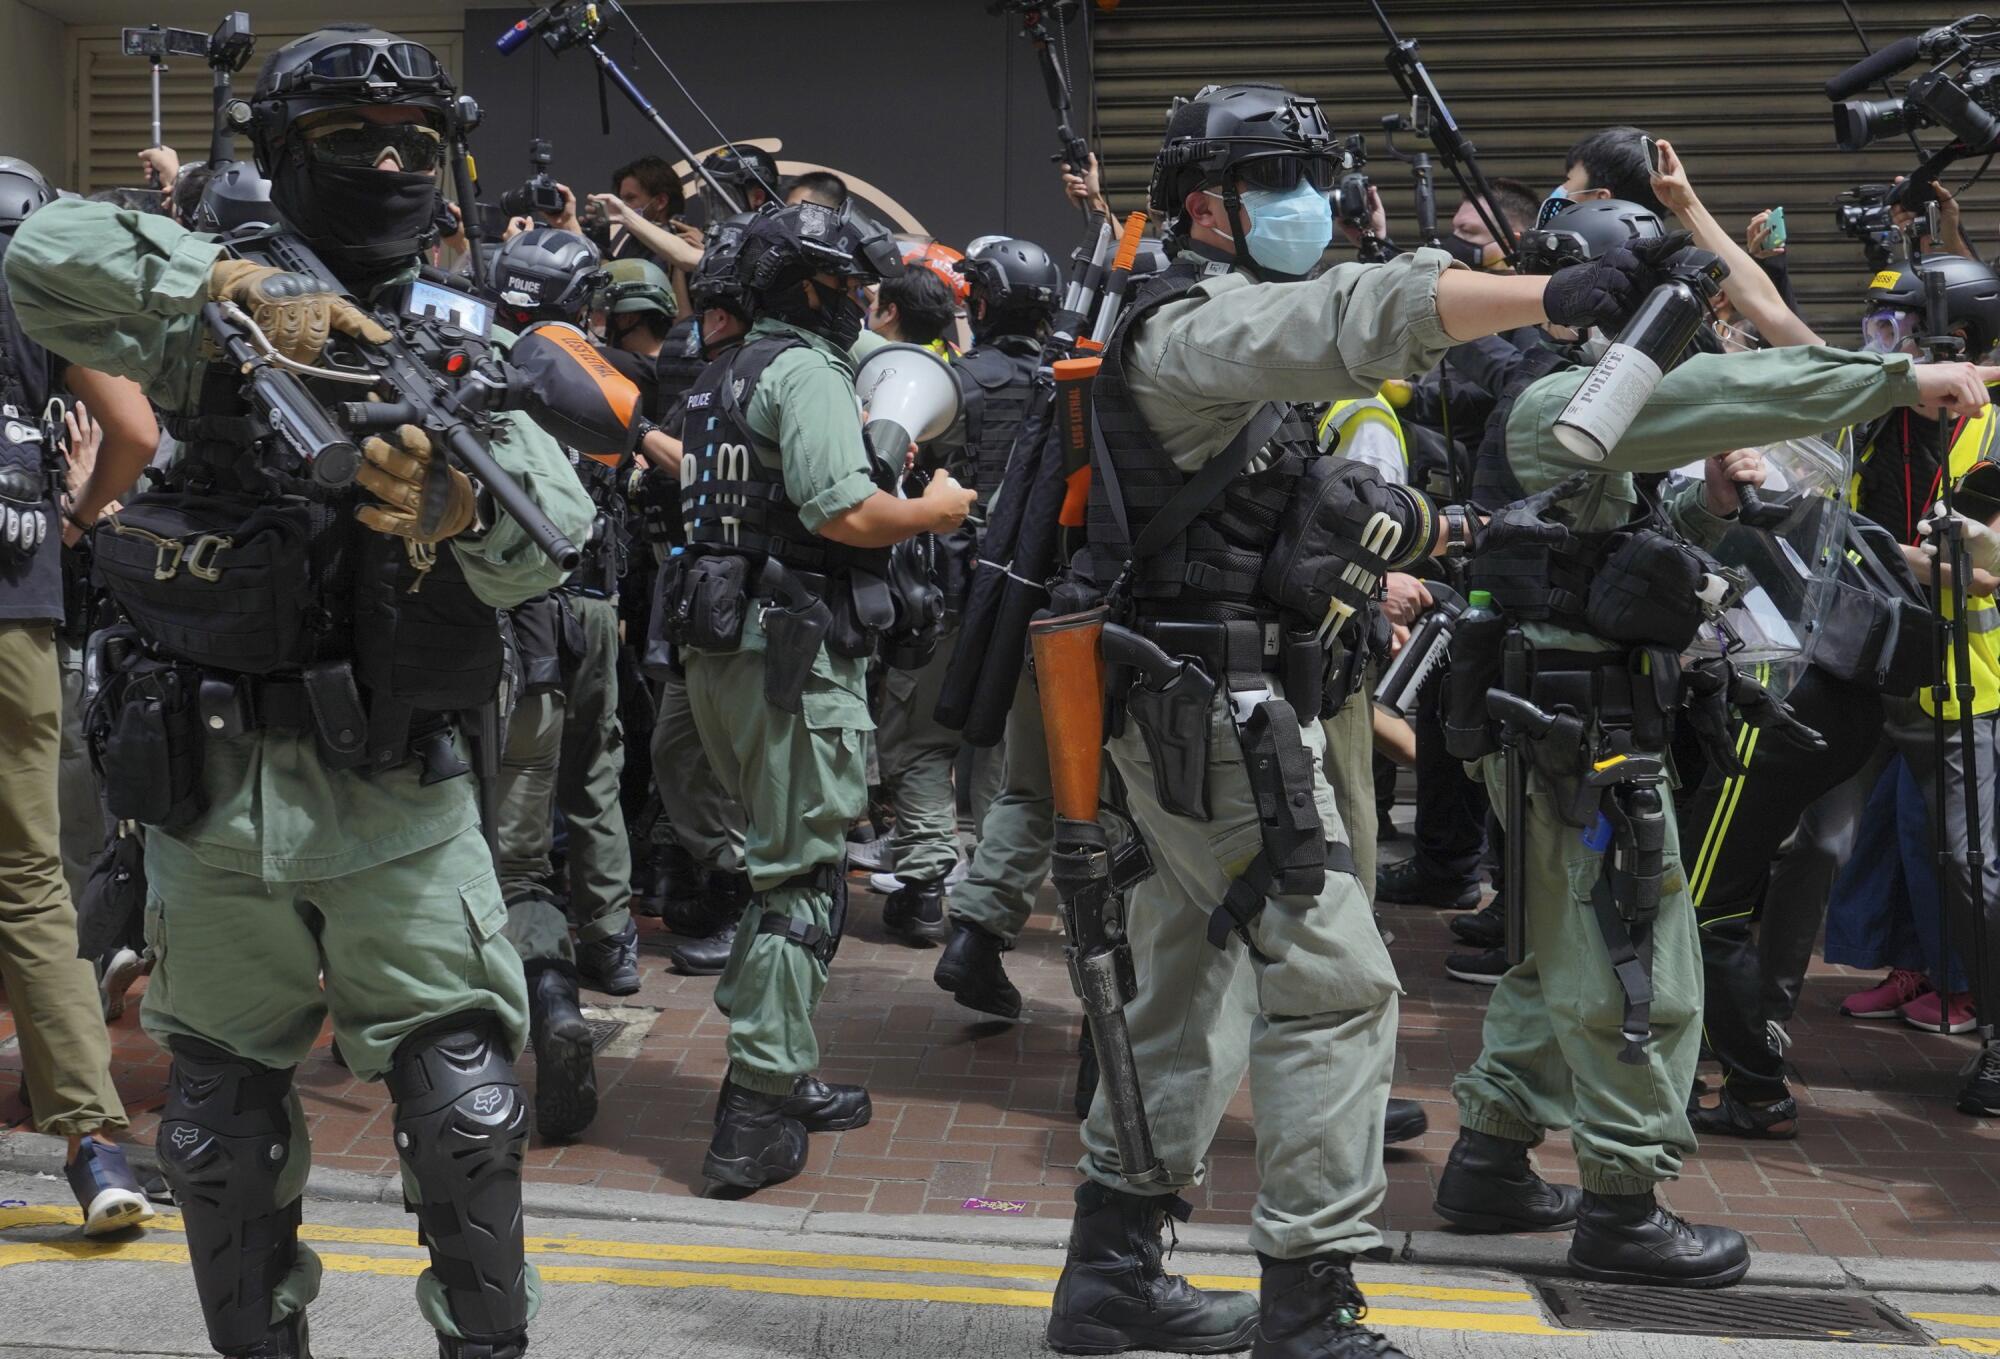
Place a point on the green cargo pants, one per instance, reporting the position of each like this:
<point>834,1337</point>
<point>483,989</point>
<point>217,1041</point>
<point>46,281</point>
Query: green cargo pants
<point>1012,857</point>
<point>65,1052</point>
<point>917,755</point>
<point>564,754</point>
<point>1350,768</point>
<point>1311,1013</point>
<point>1549,1056</point>
<point>697,813</point>
<point>801,780</point>
<point>256,967</point>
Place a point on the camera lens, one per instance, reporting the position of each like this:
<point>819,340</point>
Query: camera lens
<point>1861,121</point>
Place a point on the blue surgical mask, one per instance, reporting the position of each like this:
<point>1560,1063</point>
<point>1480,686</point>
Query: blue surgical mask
<point>1557,200</point>
<point>1289,228</point>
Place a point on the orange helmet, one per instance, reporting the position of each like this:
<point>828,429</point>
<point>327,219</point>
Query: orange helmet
<point>939,259</point>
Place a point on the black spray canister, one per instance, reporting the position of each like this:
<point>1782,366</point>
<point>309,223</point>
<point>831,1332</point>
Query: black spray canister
<point>1652,342</point>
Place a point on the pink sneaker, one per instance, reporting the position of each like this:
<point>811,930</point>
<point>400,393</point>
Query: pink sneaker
<point>1898,989</point>
<point>1922,1013</point>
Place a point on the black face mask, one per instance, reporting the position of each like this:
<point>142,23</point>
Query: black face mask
<point>837,321</point>
<point>370,222</point>
<point>1462,250</point>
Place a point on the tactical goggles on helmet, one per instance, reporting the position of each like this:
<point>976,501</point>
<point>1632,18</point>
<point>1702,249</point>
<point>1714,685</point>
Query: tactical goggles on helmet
<point>1286,170</point>
<point>363,64</point>
<point>355,141</point>
<point>1891,330</point>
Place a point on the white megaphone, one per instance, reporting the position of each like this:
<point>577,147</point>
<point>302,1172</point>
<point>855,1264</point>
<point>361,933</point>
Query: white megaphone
<point>910,395</point>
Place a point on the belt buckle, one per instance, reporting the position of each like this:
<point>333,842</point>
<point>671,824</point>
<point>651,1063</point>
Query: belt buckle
<point>200,559</point>
<point>1244,702</point>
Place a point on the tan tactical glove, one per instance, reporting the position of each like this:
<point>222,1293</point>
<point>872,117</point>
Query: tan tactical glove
<point>417,488</point>
<point>290,308</point>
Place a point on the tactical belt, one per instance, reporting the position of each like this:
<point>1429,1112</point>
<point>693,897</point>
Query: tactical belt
<point>1239,650</point>
<point>821,943</point>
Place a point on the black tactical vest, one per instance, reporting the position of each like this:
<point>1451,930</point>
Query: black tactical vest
<point>997,381</point>
<point>1209,572</point>
<point>733,499</point>
<point>680,362</point>
<point>1493,481</point>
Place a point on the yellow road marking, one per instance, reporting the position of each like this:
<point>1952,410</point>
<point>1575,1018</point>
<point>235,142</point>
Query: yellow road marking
<point>1977,1320</point>
<point>783,1259</point>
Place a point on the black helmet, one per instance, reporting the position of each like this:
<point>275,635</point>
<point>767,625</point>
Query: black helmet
<point>1263,134</point>
<point>374,224</point>
<point>545,274</point>
<point>635,286</point>
<point>22,190</point>
<point>1016,279</point>
<point>1971,296</point>
<point>740,169</point>
<point>1584,231</point>
<point>236,196</point>
<point>784,245</point>
<point>717,280</point>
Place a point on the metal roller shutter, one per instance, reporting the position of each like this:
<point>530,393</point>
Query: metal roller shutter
<point>1735,85</point>
<point>114,101</point>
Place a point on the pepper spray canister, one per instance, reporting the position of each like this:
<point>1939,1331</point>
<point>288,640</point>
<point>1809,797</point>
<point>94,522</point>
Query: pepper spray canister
<point>1652,342</point>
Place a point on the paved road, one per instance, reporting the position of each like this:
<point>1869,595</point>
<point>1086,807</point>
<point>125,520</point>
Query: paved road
<point>656,1291</point>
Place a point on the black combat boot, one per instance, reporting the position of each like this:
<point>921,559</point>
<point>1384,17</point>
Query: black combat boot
<point>667,882</point>
<point>512,1347</point>
<point>1488,1186</point>
<point>971,970</point>
<point>611,964</point>
<point>285,1340</point>
<point>1404,1121</point>
<point>711,935</point>
<point>1115,1293</point>
<point>914,913</point>
<point>565,1077</point>
<point>1311,1309</point>
<point>756,1143</point>
<point>1629,1238</point>
<point>818,1105</point>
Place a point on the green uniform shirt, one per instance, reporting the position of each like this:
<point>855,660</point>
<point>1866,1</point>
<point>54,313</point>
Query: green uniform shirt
<point>1200,366</point>
<point>808,424</point>
<point>122,292</point>
<point>1712,403</point>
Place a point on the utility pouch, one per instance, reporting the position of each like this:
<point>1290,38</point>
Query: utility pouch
<point>658,657</point>
<point>146,737</point>
<point>1173,720</point>
<point>1302,669</point>
<point>1477,651</point>
<point>1281,780</point>
<point>862,612</point>
<point>714,590</point>
<point>538,638</point>
<point>792,638</point>
<point>339,720</point>
<point>219,581</point>
<point>571,643</point>
<point>1647,591</point>
<point>957,559</point>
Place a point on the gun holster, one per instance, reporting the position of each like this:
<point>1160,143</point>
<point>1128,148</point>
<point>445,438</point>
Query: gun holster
<point>796,623</point>
<point>1173,720</point>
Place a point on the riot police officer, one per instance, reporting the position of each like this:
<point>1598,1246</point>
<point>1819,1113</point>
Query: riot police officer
<point>748,172</point>
<point>316,847</point>
<point>704,821</point>
<point>1194,401</point>
<point>1572,1038</point>
<point>564,752</point>
<point>1012,288</point>
<point>781,593</point>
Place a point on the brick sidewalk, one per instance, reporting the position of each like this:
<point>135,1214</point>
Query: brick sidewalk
<point>963,1108</point>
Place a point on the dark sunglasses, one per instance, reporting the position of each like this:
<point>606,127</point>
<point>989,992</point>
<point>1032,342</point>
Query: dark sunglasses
<point>417,145</point>
<point>1284,172</point>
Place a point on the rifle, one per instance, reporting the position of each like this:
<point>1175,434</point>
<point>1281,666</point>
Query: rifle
<point>1090,877</point>
<point>438,372</point>
<point>1017,545</point>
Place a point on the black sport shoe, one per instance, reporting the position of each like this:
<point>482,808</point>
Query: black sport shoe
<point>1980,1095</point>
<point>1404,884</point>
<point>1405,1121</point>
<point>1481,929</point>
<point>1777,1121</point>
<point>914,913</point>
<point>1482,968</point>
<point>611,964</point>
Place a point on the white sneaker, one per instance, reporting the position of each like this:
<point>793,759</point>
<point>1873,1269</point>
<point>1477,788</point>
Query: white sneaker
<point>126,966</point>
<point>885,883</point>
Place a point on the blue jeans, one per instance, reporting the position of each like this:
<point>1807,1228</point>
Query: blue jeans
<point>1884,909</point>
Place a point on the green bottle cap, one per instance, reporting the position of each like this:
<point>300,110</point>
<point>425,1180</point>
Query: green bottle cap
<point>1482,599</point>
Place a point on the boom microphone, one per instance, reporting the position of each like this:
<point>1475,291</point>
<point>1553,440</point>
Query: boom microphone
<point>1874,67</point>
<point>523,29</point>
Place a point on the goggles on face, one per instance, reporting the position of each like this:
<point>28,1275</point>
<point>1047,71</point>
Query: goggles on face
<point>1283,172</point>
<point>360,143</point>
<point>372,61</point>
<point>1890,330</point>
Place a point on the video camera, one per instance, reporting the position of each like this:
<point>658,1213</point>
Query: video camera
<point>157,43</point>
<point>540,194</point>
<point>1967,103</point>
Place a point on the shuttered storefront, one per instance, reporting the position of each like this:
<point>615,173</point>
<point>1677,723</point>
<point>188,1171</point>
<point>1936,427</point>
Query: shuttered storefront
<point>1736,87</point>
<point>113,118</point>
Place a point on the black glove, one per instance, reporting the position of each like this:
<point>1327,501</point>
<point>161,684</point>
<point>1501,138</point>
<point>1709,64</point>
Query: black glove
<point>24,520</point>
<point>1603,292</point>
<point>1525,523</point>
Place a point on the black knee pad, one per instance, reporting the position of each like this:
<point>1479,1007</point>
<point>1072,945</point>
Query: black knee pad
<point>225,1135</point>
<point>461,1127</point>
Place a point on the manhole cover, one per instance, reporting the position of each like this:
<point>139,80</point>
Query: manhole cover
<point>602,1031</point>
<point>1731,1312</point>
